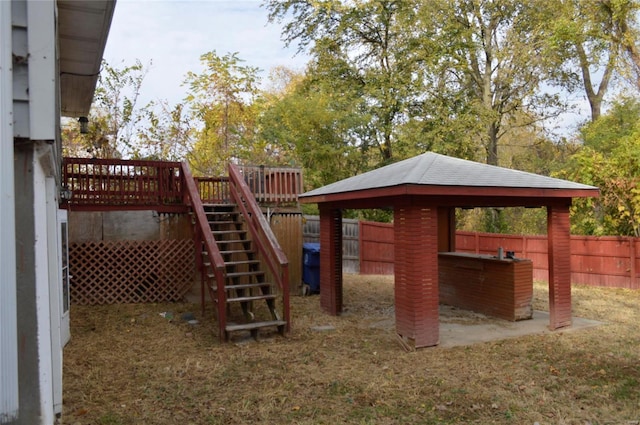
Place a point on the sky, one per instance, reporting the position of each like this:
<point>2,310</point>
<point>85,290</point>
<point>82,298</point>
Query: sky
<point>173,34</point>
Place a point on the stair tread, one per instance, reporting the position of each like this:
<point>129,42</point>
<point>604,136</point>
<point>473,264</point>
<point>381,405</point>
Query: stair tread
<point>233,241</point>
<point>227,232</point>
<point>239,274</point>
<point>245,286</point>
<point>239,262</point>
<point>249,273</point>
<point>226,222</point>
<point>253,325</point>
<point>233,251</point>
<point>224,204</point>
<point>252,298</point>
<point>227,210</point>
<point>235,263</point>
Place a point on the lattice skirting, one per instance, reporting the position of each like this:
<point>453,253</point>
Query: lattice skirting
<point>130,271</point>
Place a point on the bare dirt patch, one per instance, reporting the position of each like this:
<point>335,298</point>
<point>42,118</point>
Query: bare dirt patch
<point>127,364</point>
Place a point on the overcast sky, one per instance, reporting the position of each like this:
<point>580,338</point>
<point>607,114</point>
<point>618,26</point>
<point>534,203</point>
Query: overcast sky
<point>173,34</point>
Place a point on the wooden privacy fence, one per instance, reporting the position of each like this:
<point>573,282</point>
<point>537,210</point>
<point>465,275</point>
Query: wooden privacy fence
<point>350,240</point>
<point>610,261</point>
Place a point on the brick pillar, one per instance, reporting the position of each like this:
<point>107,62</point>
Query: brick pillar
<point>331,260</point>
<point>558,232</point>
<point>416,274</point>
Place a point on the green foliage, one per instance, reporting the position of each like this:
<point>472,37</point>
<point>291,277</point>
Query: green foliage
<point>114,118</point>
<point>610,160</point>
<point>168,135</point>
<point>312,127</point>
<point>519,220</point>
<point>222,101</point>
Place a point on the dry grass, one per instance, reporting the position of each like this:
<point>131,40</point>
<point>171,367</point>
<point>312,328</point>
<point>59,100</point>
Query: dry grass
<point>128,365</point>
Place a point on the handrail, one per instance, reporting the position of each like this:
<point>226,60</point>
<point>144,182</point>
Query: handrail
<point>192,197</point>
<point>265,240</point>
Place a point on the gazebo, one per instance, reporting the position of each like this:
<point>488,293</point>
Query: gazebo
<point>424,192</point>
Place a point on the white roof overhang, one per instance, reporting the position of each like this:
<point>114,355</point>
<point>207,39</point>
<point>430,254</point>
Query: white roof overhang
<point>83,27</point>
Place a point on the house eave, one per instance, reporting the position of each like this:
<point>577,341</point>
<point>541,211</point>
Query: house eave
<point>83,27</point>
<point>454,195</point>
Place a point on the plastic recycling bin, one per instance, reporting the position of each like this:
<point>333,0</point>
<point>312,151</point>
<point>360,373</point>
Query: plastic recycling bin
<point>311,266</point>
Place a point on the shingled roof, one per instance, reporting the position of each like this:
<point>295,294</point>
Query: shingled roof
<point>436,174</point>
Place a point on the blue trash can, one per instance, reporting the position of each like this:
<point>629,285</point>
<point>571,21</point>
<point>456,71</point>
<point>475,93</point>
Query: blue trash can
<point>311,265</point>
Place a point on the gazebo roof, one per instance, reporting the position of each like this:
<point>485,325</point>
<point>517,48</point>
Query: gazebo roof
<point>441,175</point>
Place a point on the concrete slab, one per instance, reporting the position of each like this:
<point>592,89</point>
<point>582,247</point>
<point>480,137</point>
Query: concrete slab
<point>463,327</point>
<point>454,332</point>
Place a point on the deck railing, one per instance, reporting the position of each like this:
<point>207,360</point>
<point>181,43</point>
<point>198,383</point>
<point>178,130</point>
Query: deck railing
<point>103,184</point>
<point>273,185</point>
<point>269,185</point>
<point>108,184</point>
<point>213,190</point>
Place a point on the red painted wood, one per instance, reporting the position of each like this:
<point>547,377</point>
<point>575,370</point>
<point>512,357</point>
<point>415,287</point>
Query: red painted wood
<point>122,184</point>
<point>416,274</point>
<point>609,261</point>
<point>559,243</point>
<point>376,248</point>
<point>262,235</point>
<point>331,260</point>
<point>445,196</point>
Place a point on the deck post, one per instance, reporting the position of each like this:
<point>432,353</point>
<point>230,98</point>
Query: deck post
<point>331,260</point>
<point>558,232</point>
<point>416,274</point>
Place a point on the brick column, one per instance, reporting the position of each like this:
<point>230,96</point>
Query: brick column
<point>331,260</point>
<point>558,232</point>
<point>416,274</point>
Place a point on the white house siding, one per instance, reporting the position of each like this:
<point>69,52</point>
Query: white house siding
<point>43,117</point>
<point>42,260</point>
<point>8,330</point>
<point>20,45</point>
<point>35,169</point>
<point>30,106</point>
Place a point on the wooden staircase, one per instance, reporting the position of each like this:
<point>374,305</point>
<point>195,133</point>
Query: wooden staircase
<point>252,300</point>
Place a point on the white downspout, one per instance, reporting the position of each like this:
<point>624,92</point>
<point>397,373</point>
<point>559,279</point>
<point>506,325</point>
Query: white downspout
<point>9,403</point>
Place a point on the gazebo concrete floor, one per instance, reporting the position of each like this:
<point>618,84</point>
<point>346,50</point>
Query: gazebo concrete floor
<point>461,327</point>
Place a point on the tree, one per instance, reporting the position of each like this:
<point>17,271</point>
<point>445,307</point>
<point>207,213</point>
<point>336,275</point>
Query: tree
<point>489,66</point>
<point>584,39</point>
<point>313,125</point>
<point>222,103</point>
<point>168,135</point>
<point>621,16</point>
<point>114,116</point>
<point>366,42</point>
<point>609,160</point>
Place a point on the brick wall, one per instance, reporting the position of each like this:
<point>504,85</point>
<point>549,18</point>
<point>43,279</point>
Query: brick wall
<point>498,288</point>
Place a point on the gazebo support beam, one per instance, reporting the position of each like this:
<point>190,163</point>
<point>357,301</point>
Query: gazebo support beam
<point>558,231</point>
<point>331,260</point>
<point>416,274</point>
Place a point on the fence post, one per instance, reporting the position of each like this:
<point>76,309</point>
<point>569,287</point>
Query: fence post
<point>360,246</point>
<point>632,259</point>
<point>477,242</point>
